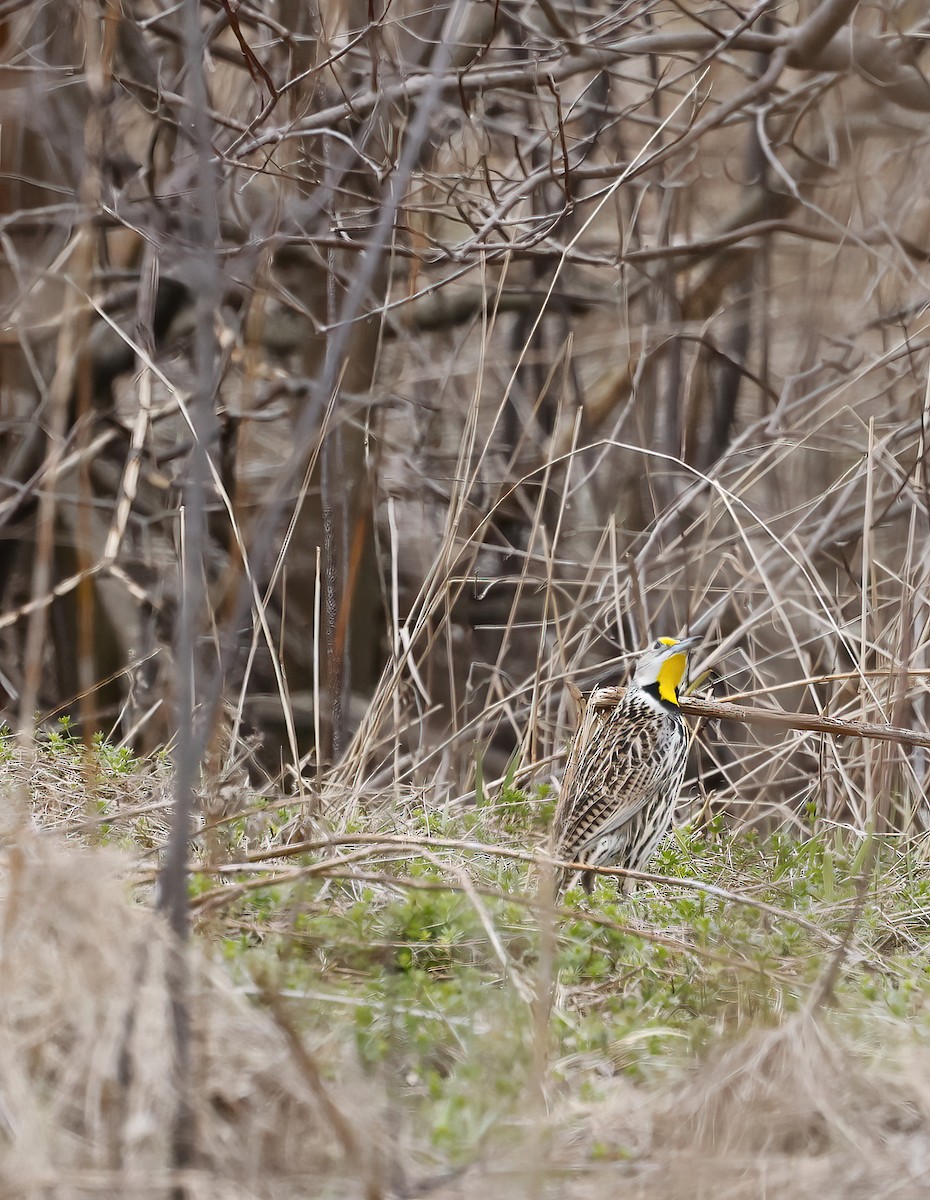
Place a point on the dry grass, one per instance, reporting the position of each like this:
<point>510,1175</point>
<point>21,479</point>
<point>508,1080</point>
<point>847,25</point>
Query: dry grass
<point>429,946</point>
<point>448,369</point>
<point>787,1112</point>
<point>86,1074</point>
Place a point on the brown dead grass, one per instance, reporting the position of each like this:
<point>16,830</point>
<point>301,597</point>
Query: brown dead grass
<point>86,1080</point>
<point>86,1086</point>
<point>788,1112</point>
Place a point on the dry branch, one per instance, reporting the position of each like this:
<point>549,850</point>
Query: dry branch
<point>717,711</point>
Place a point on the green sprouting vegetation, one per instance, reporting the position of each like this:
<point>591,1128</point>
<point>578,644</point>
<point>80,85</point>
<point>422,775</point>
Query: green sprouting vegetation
<point>415,949</point>
<point>433,954</point>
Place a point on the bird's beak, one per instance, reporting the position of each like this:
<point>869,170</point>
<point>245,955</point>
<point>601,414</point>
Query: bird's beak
<point>687,643</point>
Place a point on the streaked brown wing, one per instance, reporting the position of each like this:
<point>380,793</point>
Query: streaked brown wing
<point>610,775</point>
<point>592,718</point>
<point>604,812</point>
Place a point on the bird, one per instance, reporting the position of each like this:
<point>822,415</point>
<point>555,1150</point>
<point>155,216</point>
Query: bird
<point>625,768</point>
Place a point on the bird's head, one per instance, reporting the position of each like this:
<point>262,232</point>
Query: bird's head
<point>662,667</point>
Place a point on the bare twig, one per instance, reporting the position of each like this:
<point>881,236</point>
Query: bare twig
<point>714,710</point>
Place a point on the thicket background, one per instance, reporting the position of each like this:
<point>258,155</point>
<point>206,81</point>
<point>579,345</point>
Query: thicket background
<point>368,369</point>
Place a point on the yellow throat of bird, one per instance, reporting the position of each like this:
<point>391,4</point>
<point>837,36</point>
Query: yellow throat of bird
<point>670,676</point>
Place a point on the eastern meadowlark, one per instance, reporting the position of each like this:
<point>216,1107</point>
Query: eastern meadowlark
<point>625,768</point>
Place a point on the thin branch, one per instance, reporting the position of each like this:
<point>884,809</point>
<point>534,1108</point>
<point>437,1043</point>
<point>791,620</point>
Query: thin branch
<point>378,842</point>
<point>714,710</point>
<point>817,31</point>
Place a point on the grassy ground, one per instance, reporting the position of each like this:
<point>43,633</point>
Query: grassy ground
<point>389,1008</point>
